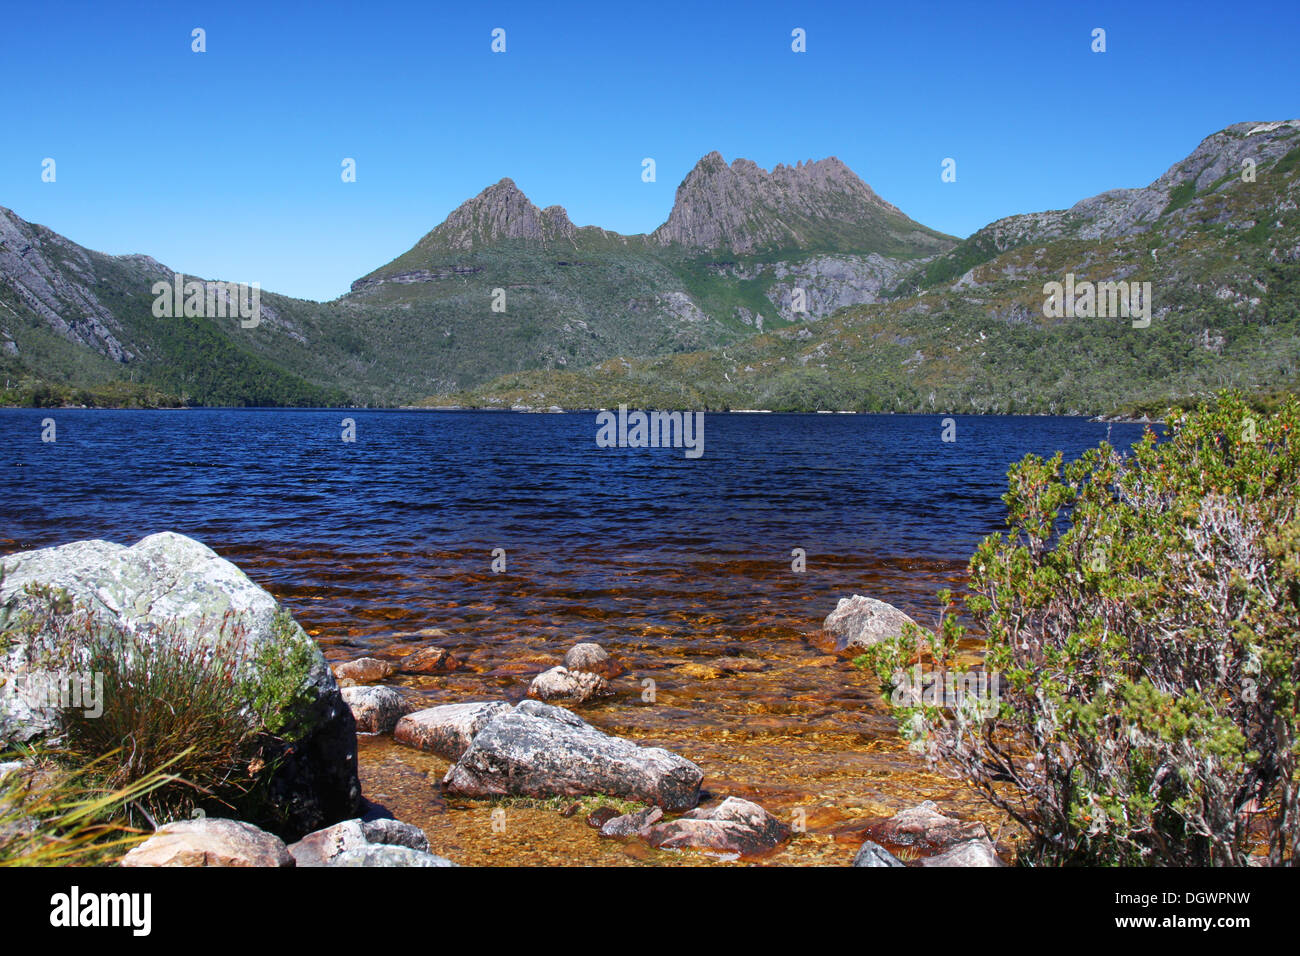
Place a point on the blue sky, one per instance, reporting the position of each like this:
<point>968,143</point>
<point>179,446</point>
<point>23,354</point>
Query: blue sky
<point>226,164</point>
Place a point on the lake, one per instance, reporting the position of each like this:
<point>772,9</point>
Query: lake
<point>668,561</point>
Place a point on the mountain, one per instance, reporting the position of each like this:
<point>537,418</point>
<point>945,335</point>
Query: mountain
<point>499,286</point>
<point>794,288</point>
<point>1217,236</point>
<point>742,209</point>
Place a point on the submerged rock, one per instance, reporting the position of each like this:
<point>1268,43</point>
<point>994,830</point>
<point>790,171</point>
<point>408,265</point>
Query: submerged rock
<point>733,826</point>
<point>429,660</point>
<point>448,729</point>
<point>860,622</point>
<point>376,709</point>
<point>570,687</point>
<point>873,854</point>
<point>168,589</point>
<point>364,670</point>
<point>630,824</point>
<point>210,841</point>
<point>542,751</point>
<point>591,657</point>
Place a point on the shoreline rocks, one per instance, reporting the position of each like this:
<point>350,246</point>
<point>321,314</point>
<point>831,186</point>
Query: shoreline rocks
<point>592,658</point>
<point>448,729</point>
<point>860,622</point>
<point>950,842</point>
<point>324,847</point>
<point>387,854</point>
<point>925,827</point>
<point>873,854</point>
<point>363,670</point>
<point>733,826</point>
<point>538,750</point>
<point>376,710</point>
<point>210,841</point>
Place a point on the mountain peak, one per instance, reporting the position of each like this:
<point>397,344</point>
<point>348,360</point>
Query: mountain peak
<point>822,203</point>
<point>499,212</point>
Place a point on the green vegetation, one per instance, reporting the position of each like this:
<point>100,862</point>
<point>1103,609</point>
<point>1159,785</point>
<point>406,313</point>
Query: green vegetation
<point>280,695</point>
<point>1143,613</point>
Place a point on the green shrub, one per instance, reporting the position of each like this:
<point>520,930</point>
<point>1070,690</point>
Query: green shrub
<point>1143,613</point>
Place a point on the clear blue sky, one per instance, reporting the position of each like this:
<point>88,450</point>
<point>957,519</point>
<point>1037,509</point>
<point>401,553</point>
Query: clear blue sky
<point>226,164</point>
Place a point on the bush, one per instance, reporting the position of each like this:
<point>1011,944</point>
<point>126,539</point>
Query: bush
<point>1143,613</point>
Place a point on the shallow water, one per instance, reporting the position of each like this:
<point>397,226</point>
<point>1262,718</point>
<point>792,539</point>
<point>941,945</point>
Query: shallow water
<point>667,561</point>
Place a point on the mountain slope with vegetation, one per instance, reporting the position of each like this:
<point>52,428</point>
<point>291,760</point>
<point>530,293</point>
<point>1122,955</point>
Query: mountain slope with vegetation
<point>1217,238</point>
<point>796,289</point>
<point>500,286</point>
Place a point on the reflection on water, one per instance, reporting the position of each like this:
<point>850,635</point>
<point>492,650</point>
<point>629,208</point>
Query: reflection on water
<point>664,560</point>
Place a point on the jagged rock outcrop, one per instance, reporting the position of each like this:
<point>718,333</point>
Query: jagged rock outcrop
<point>498,213</point>
<point>822,205</point>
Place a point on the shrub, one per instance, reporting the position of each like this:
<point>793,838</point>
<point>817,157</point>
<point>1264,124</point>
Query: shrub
<point>1143,613</point>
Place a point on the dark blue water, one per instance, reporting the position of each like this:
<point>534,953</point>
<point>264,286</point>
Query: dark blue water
<point>397,528</point>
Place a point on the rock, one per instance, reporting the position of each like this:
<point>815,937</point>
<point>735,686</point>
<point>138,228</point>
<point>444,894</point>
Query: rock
<point>600,816</point>
<point>166,588</point>
<point>210,841</point>
<point>364,670</point>
<point>968,853</point>
<point>571,687</point>
<point>733,826</point>
<point>873,854</point>
<point>447,729</point>
<point>926,827</point>
<point>395,833</point>
<point>860,622</point>
<point>630,824</point>
<point>543,751</point>
<point>740,665</point>
<point>384,855</point>
<point>594,659</point>
<point>429,660</point>
<point>376,709</point>
<point>324,847</point>
<point>10,766</point>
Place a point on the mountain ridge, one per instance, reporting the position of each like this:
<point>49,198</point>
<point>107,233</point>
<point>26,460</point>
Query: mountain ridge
<point>746,254</point>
